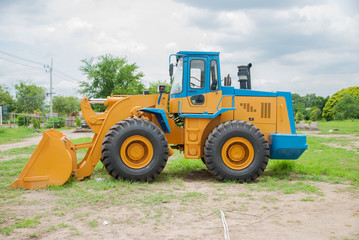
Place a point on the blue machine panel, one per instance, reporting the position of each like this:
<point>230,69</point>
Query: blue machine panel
<point>287,146</point>
<point>161,117</point>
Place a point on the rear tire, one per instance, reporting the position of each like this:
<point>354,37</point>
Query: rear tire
<point>236,150</point>
<point>134,149</point>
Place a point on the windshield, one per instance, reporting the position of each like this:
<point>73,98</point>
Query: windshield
<point>177,83</point>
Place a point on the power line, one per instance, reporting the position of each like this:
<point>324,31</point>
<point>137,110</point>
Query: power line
<point>21,63</point>
<point>64,75</point>
<point>21,58</point>
<point>58,73</point>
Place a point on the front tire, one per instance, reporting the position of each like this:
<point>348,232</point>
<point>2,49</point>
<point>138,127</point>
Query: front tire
<point>236,150</point>
<point>134,149</point>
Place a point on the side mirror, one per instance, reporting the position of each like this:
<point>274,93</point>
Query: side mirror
<point>161,88</point>
<point>171,69</point>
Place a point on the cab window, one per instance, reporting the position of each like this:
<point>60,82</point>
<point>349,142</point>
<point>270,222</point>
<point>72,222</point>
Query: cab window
<point>197,76</point>
<point>213,78</point>
<point>177,79</point>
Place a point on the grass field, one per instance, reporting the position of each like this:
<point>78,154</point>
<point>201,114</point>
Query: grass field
<point>320,163</point>
<point>10,135</point>
<point>346,126</point>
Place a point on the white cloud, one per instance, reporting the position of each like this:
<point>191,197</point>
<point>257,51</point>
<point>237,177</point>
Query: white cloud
<point>301,46</point>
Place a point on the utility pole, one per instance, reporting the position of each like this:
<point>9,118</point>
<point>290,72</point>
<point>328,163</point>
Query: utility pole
<point>51,88</point>
<point>49,69</point>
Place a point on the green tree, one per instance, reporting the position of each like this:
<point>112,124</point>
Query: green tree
<point>64,106</point>
<point>347,107</point>
<point>328,112</point>
<point>305,104</point>
<point>108,75</point>
<point>29,97</point>
<point>298,103</point>
<point>154,85</point>
<point>6,99</point>
<point>315,114</point>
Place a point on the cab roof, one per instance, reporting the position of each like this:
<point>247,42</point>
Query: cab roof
<point>198,53</point>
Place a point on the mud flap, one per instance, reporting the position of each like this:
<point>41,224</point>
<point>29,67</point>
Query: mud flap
<point>52,163</point>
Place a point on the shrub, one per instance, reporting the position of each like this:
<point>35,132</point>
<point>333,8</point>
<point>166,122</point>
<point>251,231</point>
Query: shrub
<point>21,121</point>
<point>299,117</point>
<point>36,123</point>
<point>57,122</point>
<point>315,114</point>
<point>78,122</point>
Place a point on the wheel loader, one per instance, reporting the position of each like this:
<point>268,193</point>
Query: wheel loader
<point>233,130</point>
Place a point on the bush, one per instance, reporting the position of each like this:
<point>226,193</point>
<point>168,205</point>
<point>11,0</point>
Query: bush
<point>56,122</point>
<point>22,121</point>
<point>315,114</point>
<point>78,122</point>
<point>299,117</point>
<point>36,123</point>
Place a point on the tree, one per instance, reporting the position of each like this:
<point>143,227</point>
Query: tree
<point>347,107</point>
<point>154,85</point>
<point>328,112</point>
<point>315,114</point>
<point>64,106</point>
<point>29,97</point>
<point>6,99</point>
<point>108,75</point>
<point>309,101</point>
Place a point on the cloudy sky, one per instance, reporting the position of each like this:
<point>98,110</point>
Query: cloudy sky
<point>303,46</point>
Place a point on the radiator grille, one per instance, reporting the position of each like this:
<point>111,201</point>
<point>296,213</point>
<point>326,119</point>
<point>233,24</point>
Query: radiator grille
<point>265,110</point>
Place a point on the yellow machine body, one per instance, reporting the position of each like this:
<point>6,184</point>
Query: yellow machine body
<point>54,160</point>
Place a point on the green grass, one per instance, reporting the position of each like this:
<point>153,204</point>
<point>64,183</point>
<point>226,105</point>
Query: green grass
<point>21,223</point>
<point>93,223</point>
<point>344,127</point>
<point>10,135</point>
<point>320,163</point>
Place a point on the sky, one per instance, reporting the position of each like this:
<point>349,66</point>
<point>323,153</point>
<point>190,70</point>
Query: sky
<point>301,46</point>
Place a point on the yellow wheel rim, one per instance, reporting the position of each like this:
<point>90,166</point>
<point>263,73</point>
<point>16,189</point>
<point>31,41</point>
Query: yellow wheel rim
<point>237,153</point>
<point>136,152</point>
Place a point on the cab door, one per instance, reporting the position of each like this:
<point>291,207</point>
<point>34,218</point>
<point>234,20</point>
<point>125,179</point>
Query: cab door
<point>197,83</point>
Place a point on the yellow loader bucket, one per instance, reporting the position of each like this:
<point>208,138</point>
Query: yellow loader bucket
<point>52,162</point>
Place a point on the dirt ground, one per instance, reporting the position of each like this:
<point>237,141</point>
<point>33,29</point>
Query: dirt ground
<point>192,212</point>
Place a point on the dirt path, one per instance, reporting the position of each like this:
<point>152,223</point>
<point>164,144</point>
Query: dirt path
<point>352,145</point>
<point>70,134</point>
<point>318,134</point>
<point>333,213</point>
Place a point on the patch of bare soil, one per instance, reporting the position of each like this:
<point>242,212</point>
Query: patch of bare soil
<point>70,134</point>
<point>353,145</point>
<point>318,134</point>
<point>250,214</point>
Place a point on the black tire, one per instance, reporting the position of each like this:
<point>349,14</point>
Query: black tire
<point>115,148</point>
<point>246,166</point>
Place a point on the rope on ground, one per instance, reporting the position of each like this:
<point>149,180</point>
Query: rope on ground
<point>225,226</point>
